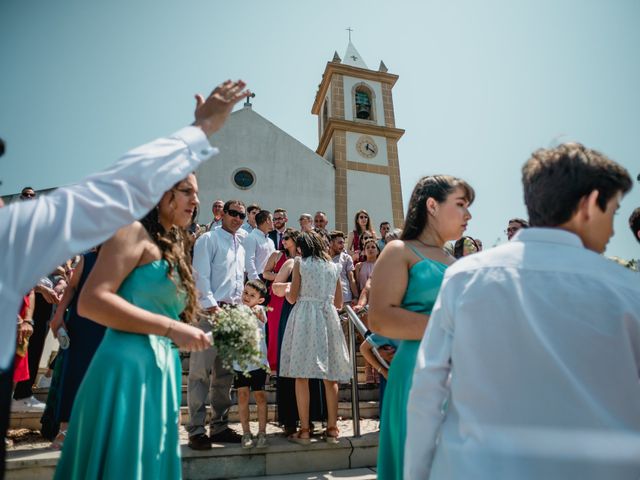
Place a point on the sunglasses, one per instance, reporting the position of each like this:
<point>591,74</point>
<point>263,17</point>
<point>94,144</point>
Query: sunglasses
<point>363,216</point>
<point>28,195</point>
<point>237,214</point>
<point>286,237</point>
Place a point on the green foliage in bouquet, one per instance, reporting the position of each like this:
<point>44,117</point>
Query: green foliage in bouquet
<point>237,337</point>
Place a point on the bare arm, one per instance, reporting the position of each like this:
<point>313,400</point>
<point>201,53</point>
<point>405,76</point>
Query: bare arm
<point>386,317</point>
<point>100,302</point>
<point>294,290</point>
<point>365,350</point>
<point>58,318</point>
<point>337,297</point>
<point>281,284</point>
<point>268,273</point>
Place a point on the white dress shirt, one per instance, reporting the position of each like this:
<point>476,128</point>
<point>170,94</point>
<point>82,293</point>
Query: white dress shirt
<point>345,262</point>
<point>258,247</point>
<point>218,260</point>
<point>37,235</point>
<point>542,340</point>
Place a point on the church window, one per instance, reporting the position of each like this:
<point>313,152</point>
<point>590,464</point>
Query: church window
<point>363,104</point>
<point>325,114</point>
<point>244,178</point>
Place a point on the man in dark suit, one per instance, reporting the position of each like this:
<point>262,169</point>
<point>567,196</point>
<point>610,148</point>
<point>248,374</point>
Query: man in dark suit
<point>280,225</point>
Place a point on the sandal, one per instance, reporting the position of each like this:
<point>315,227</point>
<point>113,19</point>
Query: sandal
<point>58,441</point>
<point>331,435</point>
<point>299,439</point>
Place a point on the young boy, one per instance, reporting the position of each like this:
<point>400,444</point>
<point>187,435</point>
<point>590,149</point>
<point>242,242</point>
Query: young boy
<point>253,296</point>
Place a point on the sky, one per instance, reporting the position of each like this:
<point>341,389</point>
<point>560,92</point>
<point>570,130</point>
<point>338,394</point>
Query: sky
<point>481,84</point>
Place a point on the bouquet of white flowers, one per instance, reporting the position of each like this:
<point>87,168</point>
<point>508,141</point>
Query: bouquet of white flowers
<point>235,333</point>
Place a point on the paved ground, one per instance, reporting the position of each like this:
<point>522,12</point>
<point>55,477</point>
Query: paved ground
<point>24,439</point>
<point>354,474</point>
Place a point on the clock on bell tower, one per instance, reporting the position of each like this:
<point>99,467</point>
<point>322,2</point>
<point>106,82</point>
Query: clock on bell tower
<point>357,134</point>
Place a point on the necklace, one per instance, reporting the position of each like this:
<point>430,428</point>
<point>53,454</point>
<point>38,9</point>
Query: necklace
<point>428,245</point>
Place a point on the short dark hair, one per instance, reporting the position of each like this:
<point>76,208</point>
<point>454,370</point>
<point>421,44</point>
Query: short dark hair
<point>228,203</point>
<point>24,189</point>
<point>252,207</point>
<point>258,286</point>
<point>384,223</point>
<point>634,223</point>
<point>554,181</point>
<point>262,216</point>
<point>521,221</point>
<point>280,210</point>
<point>336,234</point>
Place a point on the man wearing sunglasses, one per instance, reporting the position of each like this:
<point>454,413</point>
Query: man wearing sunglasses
<point>218,261</point>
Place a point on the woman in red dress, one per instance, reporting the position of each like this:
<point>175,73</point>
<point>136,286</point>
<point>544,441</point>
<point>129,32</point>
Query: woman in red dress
<point>274,264</point>
<point>25,329</point>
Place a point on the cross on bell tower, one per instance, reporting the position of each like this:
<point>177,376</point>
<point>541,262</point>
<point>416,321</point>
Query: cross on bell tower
<point>357,133</point>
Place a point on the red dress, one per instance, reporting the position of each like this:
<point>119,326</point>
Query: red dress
<point>21,369</point>
<point>273,320</point>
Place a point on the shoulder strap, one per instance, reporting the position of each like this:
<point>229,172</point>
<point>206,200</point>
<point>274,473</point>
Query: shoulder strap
<point>414,250</point>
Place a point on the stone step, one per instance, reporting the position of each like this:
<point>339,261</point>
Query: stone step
<point>368,409</point>
<point>366,391</point>
<point>231,461</point>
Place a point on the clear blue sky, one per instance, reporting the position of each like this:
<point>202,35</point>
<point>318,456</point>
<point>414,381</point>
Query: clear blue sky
<point>482,84</point>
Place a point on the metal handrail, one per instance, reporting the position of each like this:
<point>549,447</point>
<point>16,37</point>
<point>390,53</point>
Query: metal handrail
<point>366,334</point>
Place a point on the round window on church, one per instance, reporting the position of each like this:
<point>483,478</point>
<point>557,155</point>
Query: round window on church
<point>244,178</point>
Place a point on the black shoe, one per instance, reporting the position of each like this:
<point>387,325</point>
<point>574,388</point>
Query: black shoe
<point>199,442</point>
<point>226,436</point>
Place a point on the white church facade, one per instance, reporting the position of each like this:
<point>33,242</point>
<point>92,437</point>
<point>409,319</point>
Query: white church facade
<point>355,165</point>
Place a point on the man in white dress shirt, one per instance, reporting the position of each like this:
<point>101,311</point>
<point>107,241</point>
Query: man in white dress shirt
<point>37,236</point>
<point>250,223</point>
<point>258,246</point>
<point>529,367</point>
<point>219,264</point>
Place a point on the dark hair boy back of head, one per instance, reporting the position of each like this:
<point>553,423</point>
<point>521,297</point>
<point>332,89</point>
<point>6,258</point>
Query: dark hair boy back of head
<point>262,216</point>
<point>634,223</point>
<point>258,286</point>
<point>554,181</point>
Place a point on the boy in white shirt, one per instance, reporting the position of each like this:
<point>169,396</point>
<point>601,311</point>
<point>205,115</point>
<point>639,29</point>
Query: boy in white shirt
<point>253,296</point>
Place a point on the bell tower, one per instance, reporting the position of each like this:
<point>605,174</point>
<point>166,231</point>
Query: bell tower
<point>357,134</point>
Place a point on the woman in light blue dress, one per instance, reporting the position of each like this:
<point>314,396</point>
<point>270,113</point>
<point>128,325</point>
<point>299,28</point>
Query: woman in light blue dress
<point>411,272</point>
<point>124,421</point>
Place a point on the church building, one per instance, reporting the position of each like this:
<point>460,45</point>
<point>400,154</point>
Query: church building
<point>355,165</point>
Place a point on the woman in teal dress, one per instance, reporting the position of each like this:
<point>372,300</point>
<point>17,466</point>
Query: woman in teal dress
<point>124,421</point>
<point>412,270</point>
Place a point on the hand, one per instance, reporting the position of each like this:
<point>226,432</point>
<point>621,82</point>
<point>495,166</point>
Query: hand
<point>357,308</point>
<point>49,294</point>
<point>188,338</point>
<point>384,372</point>
<point>25,330</point>
<point>387,352</point>
<point>213,112</point>
<point>56,323</point>
<point>214,310</point>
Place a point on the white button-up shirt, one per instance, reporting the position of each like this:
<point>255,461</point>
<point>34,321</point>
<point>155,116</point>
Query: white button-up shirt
<point>218,260</point>
<point>258,247</point>
<point>37,235</point>
<point>542,340</point>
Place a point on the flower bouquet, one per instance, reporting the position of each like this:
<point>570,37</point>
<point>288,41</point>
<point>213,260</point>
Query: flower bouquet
<point>236,335</point>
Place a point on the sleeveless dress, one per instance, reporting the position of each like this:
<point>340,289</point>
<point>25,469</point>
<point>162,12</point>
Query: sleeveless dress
<point>85,336</point>
<point>425,278</point>
<point>287,408</point>
<point>124,422</point>
<point>314,345</point>
<point>273,319</point>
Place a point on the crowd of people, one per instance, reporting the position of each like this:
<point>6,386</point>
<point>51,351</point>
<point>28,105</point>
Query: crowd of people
<point>519,361</point>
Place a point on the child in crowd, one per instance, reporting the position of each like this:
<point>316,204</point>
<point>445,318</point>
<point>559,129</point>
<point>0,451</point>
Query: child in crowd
<point>253,296</point>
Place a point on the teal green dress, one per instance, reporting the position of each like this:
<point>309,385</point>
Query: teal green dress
<point>124,422</point>
<point>425,278</point>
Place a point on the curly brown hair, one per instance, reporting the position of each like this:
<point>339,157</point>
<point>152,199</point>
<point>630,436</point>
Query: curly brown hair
<point>175,246</point>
